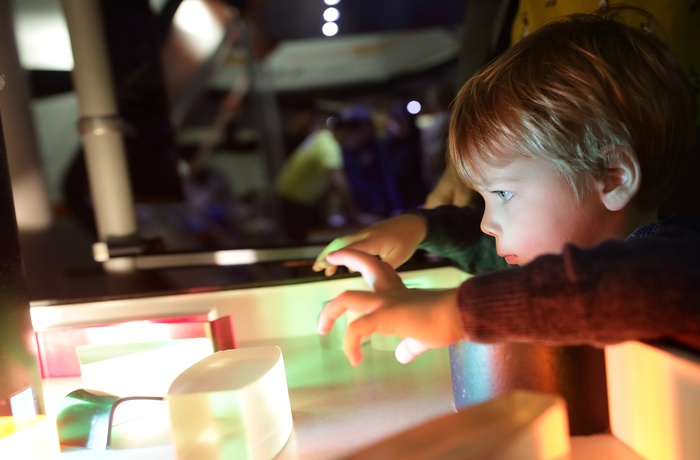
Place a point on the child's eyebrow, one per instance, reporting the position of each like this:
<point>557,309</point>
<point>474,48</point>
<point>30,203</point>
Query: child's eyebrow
<point>492,182</point>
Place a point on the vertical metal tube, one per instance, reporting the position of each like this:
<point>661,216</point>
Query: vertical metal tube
<point>100,126</point>
<point>32,205</point>
<point>29,189</point>
<point>577,373</point>
<point>20,379</point>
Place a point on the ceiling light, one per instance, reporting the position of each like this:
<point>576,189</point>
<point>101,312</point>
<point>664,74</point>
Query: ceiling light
<point>329,29</point>
<point>331,14</point>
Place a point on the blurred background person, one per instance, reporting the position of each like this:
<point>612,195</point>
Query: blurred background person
<point>403,138</point>
<point>312,188</point>
<point>433,135</point>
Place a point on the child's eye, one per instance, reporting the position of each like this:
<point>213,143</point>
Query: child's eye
<point>503,195</point>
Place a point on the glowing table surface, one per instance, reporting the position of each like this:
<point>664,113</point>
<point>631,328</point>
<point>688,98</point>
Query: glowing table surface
<point>336,408</point>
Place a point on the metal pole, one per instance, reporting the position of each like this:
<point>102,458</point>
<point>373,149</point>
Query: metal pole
<point>20,379</point>
<point>101,128</point>
<point>31,197</point>
<point>29,186</point>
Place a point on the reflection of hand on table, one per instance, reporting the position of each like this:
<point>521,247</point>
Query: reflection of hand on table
<point>425,319</point>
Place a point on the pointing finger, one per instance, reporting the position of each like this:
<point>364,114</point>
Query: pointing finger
<point>377,274</point>
<point>322,264</point>
<point>358,301</point>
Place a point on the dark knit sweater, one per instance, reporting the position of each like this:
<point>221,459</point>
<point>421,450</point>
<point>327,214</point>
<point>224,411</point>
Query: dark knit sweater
<point>646,287</point>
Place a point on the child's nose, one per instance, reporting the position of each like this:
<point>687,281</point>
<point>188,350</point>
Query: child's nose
<point>488,225</point>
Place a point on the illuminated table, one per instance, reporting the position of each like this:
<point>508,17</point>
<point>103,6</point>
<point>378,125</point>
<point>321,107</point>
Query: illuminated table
<point>336,408</point>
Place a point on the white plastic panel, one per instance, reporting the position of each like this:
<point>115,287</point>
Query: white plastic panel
<point>259,313</point>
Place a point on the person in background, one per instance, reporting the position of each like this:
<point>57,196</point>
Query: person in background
<point>368,164</point>
<point>573,137</point>
<point>433,134</point>
<point>405,156</point>
<point>312,186</point>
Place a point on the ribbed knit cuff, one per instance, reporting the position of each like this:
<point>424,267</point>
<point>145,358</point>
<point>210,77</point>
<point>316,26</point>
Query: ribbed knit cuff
<point>495,307</point>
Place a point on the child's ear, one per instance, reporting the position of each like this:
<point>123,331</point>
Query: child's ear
<point>622,179</point>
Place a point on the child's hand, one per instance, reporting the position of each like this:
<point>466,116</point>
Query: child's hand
<point>394,240</point>
<point>449,190</point>
<point>424,318</point>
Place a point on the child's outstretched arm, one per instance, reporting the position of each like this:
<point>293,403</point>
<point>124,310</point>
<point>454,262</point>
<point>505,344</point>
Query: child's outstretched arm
<point>394,240</point>
<point>424,318</point>
<point>449,190</point>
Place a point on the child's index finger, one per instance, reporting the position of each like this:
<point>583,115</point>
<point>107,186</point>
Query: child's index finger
<point>323,264</point>
<point>356,301</point>
<point>331,312</point>
<point>377,274</point>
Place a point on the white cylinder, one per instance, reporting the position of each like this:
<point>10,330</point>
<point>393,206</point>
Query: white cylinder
<point>105,152</point>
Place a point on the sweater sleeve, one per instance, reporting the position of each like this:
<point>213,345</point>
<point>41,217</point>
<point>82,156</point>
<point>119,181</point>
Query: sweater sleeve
<point>455,233</point>
<point>636,290</point>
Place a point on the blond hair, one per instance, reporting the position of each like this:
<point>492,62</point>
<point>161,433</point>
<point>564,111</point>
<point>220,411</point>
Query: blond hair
<point>573,93</point>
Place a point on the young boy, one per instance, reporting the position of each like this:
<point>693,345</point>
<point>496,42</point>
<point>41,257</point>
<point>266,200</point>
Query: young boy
<point>573,137</point>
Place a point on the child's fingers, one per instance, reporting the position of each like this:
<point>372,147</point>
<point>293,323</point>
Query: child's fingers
<point>352,344</point>
<point>354,334</point>
<point>377,274</point>
<point>321,263</point>
<point>374,321</point>
<point>359,301</point>
<point>327,318</point>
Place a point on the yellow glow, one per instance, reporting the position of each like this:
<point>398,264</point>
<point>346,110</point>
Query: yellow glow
<point>29,439</point>
<point>549,435</point>
<point>654,398</point>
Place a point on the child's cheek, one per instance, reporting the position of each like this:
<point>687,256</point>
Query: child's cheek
<point>537,244</point>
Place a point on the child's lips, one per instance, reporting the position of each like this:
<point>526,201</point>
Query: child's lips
<point>510,258</point>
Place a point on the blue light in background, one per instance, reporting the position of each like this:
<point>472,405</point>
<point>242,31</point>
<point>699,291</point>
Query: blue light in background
<point>413,107</point>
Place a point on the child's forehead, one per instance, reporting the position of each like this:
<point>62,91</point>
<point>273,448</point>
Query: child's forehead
<point>511,171</point>
<point>487,173</point>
